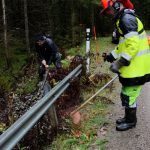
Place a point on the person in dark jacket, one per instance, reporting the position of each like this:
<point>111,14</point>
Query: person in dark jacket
<point>48,53</point>
<point>130,59</point>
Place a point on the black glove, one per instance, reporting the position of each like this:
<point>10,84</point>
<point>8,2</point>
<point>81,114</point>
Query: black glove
<point>115,67</point>
<point>118,64</point>
<point>108,57</point>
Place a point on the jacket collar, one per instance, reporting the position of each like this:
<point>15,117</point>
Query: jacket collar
<point>121,13</point>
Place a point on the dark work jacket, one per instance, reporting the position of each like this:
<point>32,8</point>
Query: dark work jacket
<point>47,50</point>
<point>128,21</point>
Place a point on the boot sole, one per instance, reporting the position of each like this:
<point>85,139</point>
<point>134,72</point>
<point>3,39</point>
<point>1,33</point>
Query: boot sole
<point>125,129</point>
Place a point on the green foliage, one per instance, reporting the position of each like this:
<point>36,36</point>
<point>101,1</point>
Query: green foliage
<point>65,63</point>
<point>96,116</point>
<point>96,122</point>
<point>74,51</point>
<point>6,80</point>
<point>81,143</point>
<point>70,142</point>
<point>88,130</point>
<point>18,58</point>
<point>2,127</point>
<point>28,86</point>
<point>101,142</point>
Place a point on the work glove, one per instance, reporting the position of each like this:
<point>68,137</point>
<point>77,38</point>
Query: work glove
<point>108,57</point>
<point>118,64</point>
<point>115,67</point>
<point>44,63</point>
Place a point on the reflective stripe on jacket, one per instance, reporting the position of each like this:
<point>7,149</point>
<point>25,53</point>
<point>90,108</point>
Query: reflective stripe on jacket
<point>133,47</point>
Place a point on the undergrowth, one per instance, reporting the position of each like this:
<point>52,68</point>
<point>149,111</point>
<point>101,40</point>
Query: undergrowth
<point>76,137</point>
<point>93,116</point>
<point>18,58</point>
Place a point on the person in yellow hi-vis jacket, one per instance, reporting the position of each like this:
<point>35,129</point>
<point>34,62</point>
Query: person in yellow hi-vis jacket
<point>130,59</point>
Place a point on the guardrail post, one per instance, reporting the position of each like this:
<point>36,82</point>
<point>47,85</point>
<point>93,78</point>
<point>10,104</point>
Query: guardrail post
<point>53,116</point>
<point>52,111</point>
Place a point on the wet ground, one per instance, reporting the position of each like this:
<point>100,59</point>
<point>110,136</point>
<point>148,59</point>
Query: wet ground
<point>134,139</point>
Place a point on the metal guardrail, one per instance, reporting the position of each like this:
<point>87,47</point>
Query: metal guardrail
<point>17,130</point>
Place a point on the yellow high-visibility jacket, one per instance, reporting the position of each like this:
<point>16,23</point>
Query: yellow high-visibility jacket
<point>133,47</point>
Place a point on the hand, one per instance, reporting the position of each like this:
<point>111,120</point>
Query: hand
<point>115,67</point>
<point>50,75</point>
<point>44,62</point>
<point>46,66</point>
<point>108,57</point>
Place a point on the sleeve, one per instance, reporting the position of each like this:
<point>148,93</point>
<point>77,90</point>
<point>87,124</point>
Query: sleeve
<point>129,27</point>
<point>114,52</point>
<point>52,46</point>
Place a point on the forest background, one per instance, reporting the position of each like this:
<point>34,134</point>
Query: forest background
<point>64,20</point>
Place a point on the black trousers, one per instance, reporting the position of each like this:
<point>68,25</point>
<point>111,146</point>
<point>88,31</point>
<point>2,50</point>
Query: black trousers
<point>55,59</point>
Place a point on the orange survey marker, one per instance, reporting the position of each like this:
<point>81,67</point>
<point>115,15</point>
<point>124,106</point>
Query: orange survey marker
<point>97,46</point>
<point>148,37</point>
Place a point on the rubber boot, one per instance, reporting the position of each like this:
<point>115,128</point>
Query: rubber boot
<point>130,121</point>
<point>122,120</point>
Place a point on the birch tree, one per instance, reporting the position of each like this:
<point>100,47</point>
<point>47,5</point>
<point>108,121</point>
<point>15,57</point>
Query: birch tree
<point>5,34</point>
<point>26,26</point>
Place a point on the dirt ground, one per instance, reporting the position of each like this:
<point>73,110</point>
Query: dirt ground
<point>134,139</point>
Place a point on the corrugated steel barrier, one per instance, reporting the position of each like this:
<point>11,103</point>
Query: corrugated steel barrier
<point>18,130</point>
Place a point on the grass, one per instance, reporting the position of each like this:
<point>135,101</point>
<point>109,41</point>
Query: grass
<point>94,114</point>
<point>29,85</point>
<point>82,136</point>
<point>18,59</point>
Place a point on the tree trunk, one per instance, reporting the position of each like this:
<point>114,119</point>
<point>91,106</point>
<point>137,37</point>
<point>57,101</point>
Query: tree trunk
<point>5,34</point>
<point>92,15</point>
<point>26,26</point>
<point>73,22</point>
